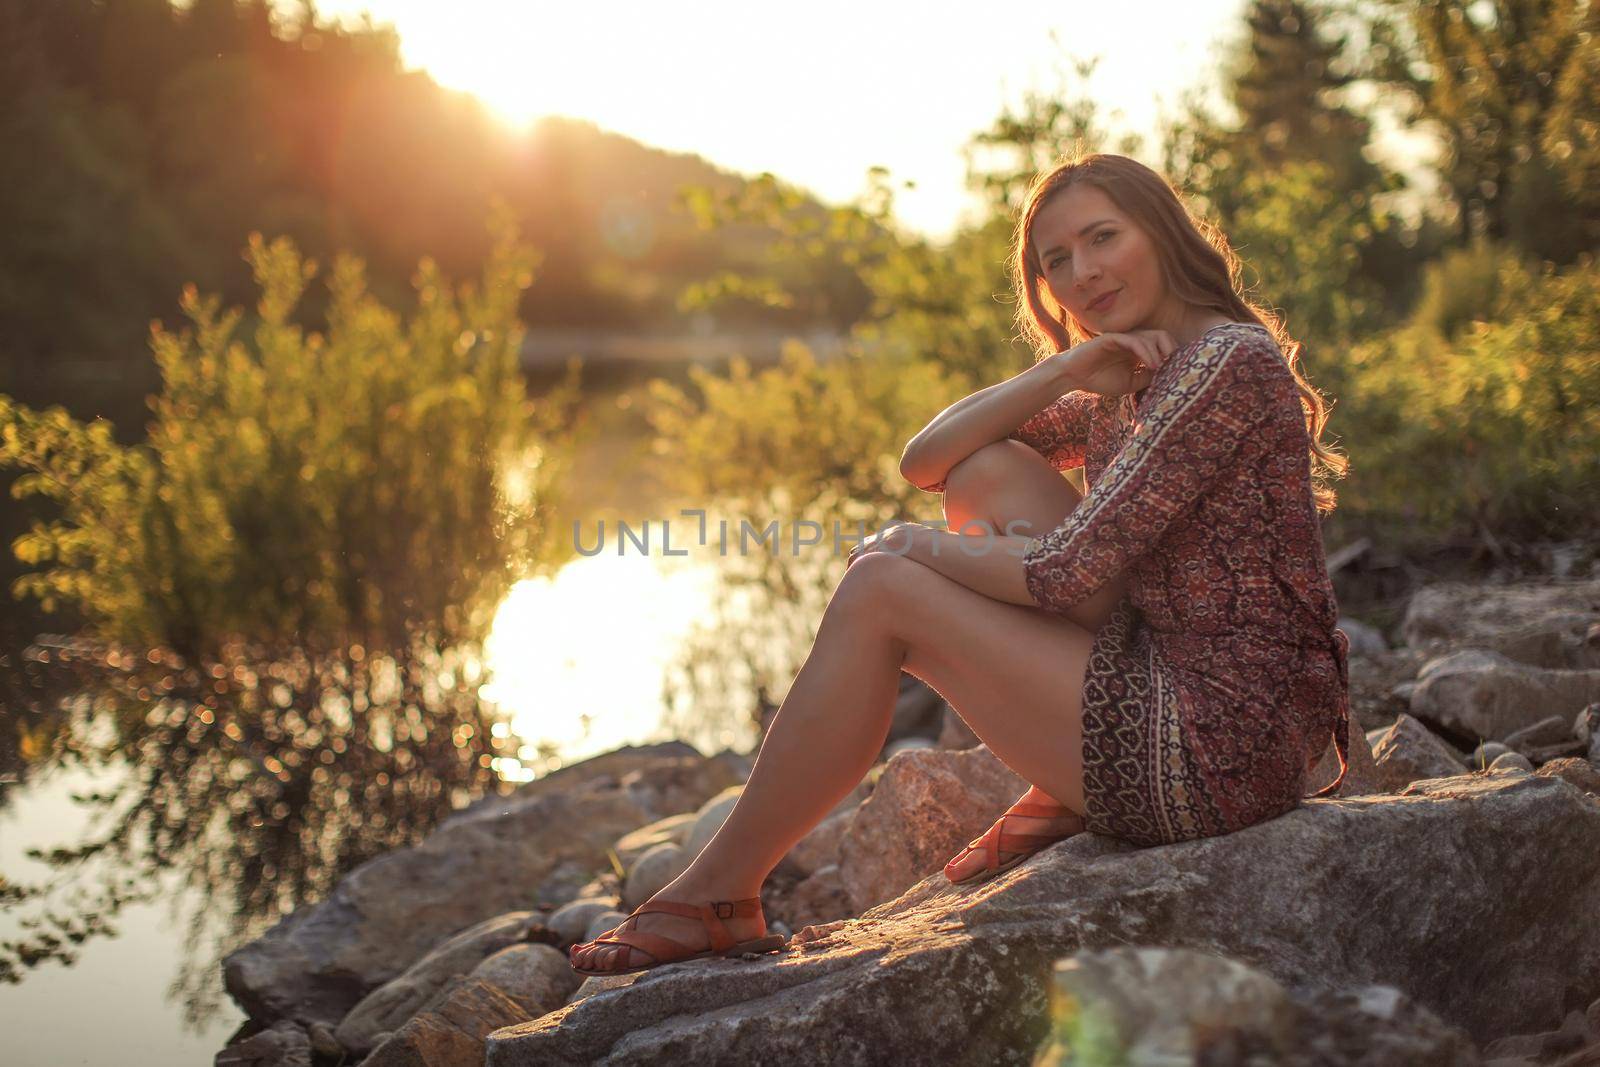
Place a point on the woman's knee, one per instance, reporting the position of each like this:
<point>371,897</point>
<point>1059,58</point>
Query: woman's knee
<point>1007,480</point>
<point>975,486</point>
<point>988,468</point>
<point>875,583</point>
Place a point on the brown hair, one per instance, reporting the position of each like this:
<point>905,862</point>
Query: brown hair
<point>1196,260</point>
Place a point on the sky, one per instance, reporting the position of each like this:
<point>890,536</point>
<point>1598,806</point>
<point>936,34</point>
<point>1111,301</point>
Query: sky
<point>815,93</point>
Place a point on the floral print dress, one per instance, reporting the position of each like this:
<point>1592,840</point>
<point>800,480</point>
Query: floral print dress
<point>1216,683</point>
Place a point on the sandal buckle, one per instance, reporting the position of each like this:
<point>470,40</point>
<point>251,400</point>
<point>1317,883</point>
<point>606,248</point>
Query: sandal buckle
<point>718,905</point>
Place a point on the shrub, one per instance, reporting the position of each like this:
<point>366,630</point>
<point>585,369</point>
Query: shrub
<point>378,484</point>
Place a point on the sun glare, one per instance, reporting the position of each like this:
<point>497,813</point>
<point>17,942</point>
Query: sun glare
<point>577,661</point>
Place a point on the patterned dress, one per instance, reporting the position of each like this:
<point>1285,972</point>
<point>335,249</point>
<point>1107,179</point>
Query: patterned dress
<point>1214,686</point>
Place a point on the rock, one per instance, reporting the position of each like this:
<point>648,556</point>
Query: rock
<point>1507,761</point>
<point>1179,1006</point>
<point>956,733</point>
<point>741,762</point>
<point>1574,1033</point>
<point>905,744</point>
<point>1409,751</point>
<point>1155,1005</point>
<point>1376,1026</point>
<point>820,847</point>
<point>1587,726</point>
<point>1579,772</point>
<point>680,786</point>
<point>1345,555</point>
<point>603,886</point>
<point>1587,723</point>
<point>1380,685</point>
<point>606,920</point>
<point>538,977</point>
<point>1427,892</point>
<point>391,1004</point>
<point>1552,730</point>
<point>1570,747</point>
<point>1485,755</point>
<point>819,899</point>
<point>1542,624</point>
<point>709,819</point>
<point>607,768</point>
<point>599,983</point>
<point>451,1029</point>
<point>928,803</point>
<point>652,872</point>
<point>918,710</point>
<point>571,922</point>
<point>673,829</point>
<point>538,846</point>
<point>1476,693</point>
<point>323,1043</point>
<point>281,1045</point>
<point>1364,640</point>
<point>1360,780</point>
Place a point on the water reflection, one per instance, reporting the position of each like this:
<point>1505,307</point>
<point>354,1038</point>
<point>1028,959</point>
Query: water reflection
<point>246,789</point>
<point>577,661</point>
<point>239,793</point>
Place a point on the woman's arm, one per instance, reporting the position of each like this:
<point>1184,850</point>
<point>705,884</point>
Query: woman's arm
<point>1021,407</point>
<point>990,563</point>
<point>1202,428</point>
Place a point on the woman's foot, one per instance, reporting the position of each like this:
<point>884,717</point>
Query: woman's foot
<point>1063,825</point>
<point>692,933</point>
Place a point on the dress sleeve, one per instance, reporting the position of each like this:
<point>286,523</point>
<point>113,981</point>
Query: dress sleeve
<point>1059,432</point>
<point>1199,428</point>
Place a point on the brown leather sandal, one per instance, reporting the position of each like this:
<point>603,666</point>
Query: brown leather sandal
<point>996,840</point>
<point>664,950</point>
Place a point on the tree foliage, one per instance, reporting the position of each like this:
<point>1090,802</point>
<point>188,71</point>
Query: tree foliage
<point>379,484</point>
<point>1508,86</point>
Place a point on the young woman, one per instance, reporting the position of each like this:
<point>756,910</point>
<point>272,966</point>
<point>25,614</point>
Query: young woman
<point>1158,658</point>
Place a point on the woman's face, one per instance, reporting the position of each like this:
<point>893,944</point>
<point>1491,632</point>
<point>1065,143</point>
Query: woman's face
<point>1086,249</point>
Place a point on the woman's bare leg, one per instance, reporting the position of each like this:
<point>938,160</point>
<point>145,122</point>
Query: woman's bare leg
<point>1014,672</point>
<point>1009,482</point>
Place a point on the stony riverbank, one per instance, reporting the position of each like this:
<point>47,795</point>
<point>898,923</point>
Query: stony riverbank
<point>1441,910</point>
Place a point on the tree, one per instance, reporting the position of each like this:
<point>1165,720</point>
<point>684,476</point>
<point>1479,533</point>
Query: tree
<point>1507,85</point>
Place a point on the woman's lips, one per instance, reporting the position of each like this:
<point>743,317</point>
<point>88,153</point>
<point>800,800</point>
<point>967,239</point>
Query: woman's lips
<point>1104,303</point>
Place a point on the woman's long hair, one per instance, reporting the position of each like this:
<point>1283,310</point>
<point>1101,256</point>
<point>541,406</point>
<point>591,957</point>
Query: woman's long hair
<point>1199,266</point>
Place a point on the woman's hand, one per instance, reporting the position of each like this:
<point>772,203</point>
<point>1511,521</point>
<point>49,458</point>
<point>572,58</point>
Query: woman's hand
<point>1115,364</point>
<point>896,537</point>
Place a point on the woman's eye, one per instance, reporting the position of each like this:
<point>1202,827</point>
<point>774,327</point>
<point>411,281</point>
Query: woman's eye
<point>1056,262</point>
<point>1103,233</point>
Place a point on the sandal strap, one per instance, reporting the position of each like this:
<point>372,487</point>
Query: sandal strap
<point>1010,842</point>
<point>714,911</point>
<point>710,915</point>
<point>656,945</point>
<point>997,839</point>
<point>1036,810</point>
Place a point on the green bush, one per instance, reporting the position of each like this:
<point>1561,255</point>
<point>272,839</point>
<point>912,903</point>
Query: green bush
<point>379,484</point>
<point>1489,432</point>
<point>802,431</point>
<point>1480,282</point>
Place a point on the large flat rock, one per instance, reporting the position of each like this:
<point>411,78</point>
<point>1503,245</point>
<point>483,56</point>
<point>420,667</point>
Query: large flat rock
<point>1474,895</point>
<point>1542,623</point>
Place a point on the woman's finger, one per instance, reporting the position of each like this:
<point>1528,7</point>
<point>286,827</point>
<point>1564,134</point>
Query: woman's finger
<point>1147,354</point>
